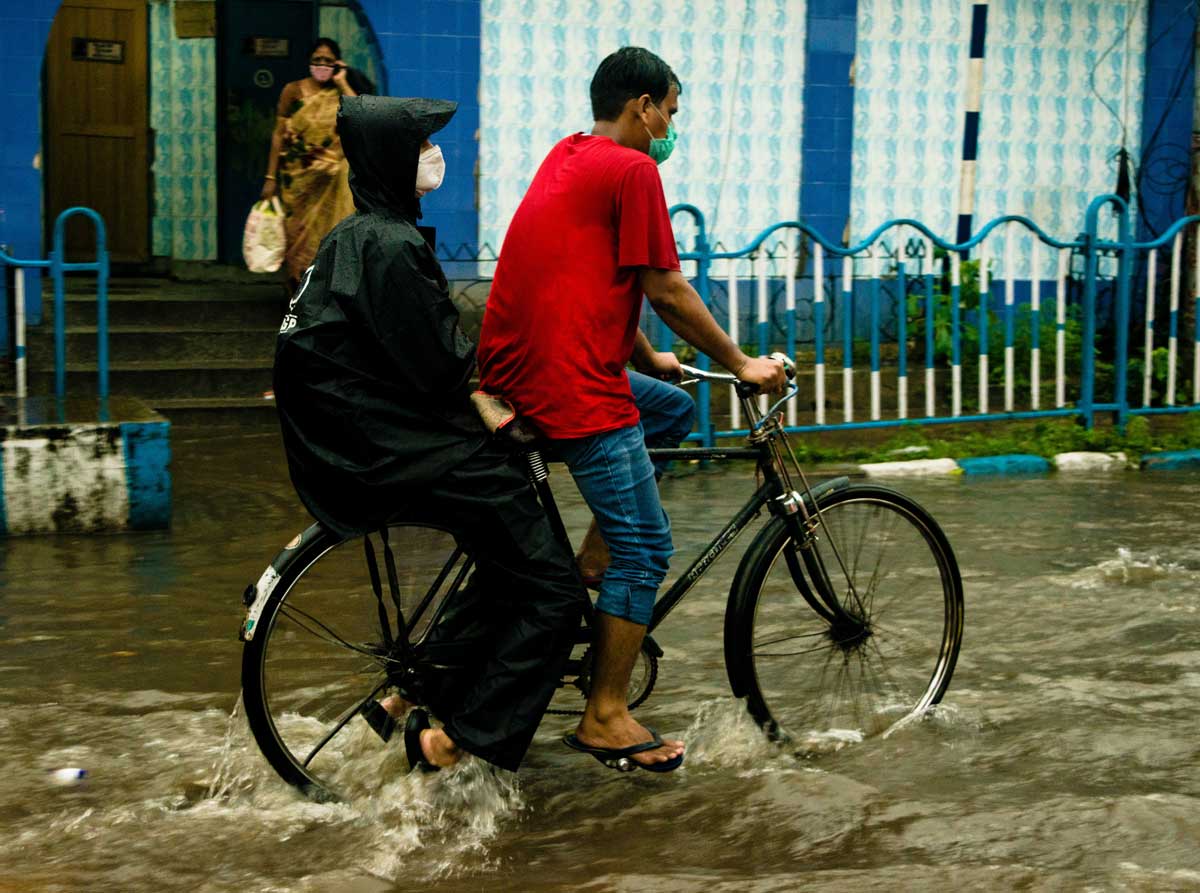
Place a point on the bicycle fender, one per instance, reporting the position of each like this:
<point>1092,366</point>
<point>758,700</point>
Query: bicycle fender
<point>789,503</point>
<point>256,594</point>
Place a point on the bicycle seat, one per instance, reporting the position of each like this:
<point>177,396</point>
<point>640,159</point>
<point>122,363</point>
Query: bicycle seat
<point>502,421</point>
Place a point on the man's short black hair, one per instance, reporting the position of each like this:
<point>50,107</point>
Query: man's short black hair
<point>627,74</point>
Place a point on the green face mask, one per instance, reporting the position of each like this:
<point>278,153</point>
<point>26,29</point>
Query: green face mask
<point>661,148</point>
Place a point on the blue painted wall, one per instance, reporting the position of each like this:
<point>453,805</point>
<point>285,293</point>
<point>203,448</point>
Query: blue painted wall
<point>431,48</point>
<point>828,116</point>
<point>1166,115</point>
<point>24,30</point>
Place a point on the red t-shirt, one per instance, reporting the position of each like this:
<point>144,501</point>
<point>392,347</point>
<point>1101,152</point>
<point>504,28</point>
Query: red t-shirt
<point>565,302</point>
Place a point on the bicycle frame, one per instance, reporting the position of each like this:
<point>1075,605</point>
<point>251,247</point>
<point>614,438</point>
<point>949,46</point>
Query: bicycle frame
<point>774,494</point>
<point>771,488</point>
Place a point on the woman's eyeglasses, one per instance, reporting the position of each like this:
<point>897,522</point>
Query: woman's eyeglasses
<point>321,60</point>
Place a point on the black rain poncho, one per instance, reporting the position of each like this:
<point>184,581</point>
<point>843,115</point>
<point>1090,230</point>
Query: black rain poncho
<point>371,367</point>
<point>371,384</point>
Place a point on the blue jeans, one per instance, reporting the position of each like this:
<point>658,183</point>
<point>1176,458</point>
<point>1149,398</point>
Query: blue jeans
<point>667,413</point>
<point>620,485</point>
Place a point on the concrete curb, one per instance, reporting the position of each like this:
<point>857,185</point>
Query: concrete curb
<point>1024,464</point>
<point>85,477</point>
<point>1170,460</point>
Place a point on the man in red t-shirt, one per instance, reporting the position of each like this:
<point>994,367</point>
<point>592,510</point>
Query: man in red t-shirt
<point>591,236</point>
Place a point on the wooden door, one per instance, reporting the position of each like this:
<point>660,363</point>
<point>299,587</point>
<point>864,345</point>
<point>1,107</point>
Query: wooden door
<point>97,126</point>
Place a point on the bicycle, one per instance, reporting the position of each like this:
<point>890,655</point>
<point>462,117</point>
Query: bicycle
<point>813,638</point>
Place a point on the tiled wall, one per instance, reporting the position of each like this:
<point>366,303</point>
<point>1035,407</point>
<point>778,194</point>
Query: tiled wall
<point>742,69</point>
<point>828,116</point>
<point>908,112</point>
<point>1057,87</point>
<point>431,48</point>
<point>1046,140</point>
<point>183,114</point>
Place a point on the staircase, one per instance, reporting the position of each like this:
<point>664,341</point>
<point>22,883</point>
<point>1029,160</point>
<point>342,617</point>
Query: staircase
<point>200,353</point>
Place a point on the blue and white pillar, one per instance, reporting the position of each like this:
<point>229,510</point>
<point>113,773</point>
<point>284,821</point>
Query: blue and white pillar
<point>970,150</point>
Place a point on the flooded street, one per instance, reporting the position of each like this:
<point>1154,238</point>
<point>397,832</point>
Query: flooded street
<point>1065,755</point>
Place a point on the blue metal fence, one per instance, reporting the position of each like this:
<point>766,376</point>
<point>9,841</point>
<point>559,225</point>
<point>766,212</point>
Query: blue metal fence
<point>58,266</point>
<point>961,307</point>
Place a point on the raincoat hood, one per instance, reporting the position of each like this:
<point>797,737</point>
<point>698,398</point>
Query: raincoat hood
<point>381,137</point>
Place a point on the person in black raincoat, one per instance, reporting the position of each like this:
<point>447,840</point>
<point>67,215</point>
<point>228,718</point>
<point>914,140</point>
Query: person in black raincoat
<point>372,387</point>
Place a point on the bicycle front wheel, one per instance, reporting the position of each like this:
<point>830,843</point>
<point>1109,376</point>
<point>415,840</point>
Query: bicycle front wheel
<point>852,631</point>
<point>327,645</point>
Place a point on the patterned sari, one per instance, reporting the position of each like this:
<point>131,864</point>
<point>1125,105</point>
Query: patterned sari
<point>313,178</point>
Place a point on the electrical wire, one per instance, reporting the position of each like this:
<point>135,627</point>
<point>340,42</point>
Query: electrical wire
<point>1164,177</point>
<point>1123,36</point>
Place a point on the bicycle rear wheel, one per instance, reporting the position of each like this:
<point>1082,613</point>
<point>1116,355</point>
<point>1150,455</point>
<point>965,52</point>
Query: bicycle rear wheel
<point>811,674</point>
<point>320,652</point>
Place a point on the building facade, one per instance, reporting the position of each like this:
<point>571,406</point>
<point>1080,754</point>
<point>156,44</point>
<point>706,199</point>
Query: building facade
<point>843,113</point>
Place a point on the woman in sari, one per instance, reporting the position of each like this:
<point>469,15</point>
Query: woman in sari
<point>307,168</point>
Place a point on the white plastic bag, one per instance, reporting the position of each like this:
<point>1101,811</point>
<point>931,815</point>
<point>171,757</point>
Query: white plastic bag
<point>264,240</point>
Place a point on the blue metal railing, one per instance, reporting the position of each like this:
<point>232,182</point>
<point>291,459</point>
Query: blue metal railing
<point>858,312</point>
<point>58,266</point>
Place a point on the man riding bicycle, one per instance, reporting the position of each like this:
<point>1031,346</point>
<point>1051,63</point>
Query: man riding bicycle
<point>591,236</point>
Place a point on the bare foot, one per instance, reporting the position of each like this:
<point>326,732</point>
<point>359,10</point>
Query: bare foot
<point>396,706</point>
<point>623,730</point>
<point>438,748</point>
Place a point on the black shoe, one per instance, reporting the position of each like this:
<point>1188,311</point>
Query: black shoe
<point>418,721</point>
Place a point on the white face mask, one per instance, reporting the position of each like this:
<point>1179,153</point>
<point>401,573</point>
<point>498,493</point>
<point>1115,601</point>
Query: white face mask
<point>431,168</point>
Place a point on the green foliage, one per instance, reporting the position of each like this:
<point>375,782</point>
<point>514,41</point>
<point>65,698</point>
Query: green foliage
<point>969,338</point>
<point>1159,366</point>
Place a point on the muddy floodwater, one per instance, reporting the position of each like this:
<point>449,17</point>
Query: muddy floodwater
<point>1066,755</point>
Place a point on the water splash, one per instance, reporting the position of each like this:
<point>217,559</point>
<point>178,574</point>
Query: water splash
<point>230,773</point>
<point>723,734</point>
<point>1127,569</point>
<point>448,817</point>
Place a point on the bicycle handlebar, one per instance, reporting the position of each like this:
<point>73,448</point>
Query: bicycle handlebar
<point>691,373</point>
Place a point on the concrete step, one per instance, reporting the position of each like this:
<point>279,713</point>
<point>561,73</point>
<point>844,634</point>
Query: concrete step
<point>206,305</point>
<point>153,380</point>
<point>218,412</point>
<point>132,343</point>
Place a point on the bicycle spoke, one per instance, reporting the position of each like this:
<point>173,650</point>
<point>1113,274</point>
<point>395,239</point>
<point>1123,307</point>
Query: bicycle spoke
<point>348,715</point>
<point>791,653</point>
<point>789,638</point>
<point>332,637</point>
<point>885,541</point>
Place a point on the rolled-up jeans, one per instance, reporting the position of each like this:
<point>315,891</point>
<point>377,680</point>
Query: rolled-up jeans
<point>616,478</point>
<point>620,485</point>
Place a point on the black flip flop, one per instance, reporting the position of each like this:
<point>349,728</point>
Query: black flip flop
<point>619,758</point>
<point>418,721</point>
<point>379,720</point>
